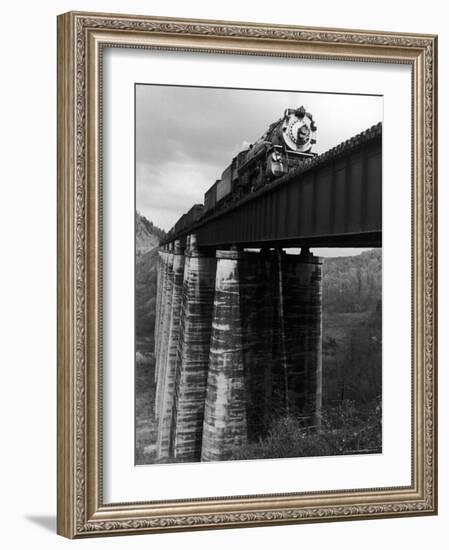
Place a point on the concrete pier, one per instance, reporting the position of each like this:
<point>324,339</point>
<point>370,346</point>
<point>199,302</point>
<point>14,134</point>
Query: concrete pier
<point>300,313</point>
<point>258,307</point>
<point>193,354</point>
<point>225,421</point>
<point>164,332</point>
<point>162,276</point>
<point>238,344</point>
<point>166,387</point>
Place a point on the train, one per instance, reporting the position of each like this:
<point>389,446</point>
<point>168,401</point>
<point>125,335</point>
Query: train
<point>284,146</point>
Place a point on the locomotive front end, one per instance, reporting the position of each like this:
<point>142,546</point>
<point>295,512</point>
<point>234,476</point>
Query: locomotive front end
<point>298,130</point>
<point>292,138</point>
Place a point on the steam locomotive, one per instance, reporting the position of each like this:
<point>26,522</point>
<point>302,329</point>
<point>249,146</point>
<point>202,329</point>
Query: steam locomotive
<point>285,145</point>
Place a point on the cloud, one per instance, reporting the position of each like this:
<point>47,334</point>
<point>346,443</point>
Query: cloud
<point>166,191</point>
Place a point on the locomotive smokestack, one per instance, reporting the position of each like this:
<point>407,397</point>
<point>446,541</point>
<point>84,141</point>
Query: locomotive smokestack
<point>301,112</point>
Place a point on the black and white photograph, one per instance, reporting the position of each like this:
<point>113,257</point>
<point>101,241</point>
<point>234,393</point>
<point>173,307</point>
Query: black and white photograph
<point>258,274</point>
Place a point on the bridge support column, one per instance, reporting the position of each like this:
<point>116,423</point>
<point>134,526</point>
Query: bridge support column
<point>300,312</point>
<point>166,388</point>
<point>229,360</point>
<point>159,305</point>
<point>258,272</point>
<point>162,363</point>
<point>265,351</point>
<point>225,420</point>
<point>245,384</point>
<point>193,354</point>
<point>166,265</point>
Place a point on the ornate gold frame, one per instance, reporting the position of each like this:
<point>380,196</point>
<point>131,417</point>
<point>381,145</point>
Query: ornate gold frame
<point>81,37</point>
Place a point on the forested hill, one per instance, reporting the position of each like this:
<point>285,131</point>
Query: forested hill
<point>148,236</point>
<point>352,328</point>
<point>352,284</point>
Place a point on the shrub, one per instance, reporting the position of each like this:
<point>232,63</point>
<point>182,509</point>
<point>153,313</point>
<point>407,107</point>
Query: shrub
<point>345,429</point>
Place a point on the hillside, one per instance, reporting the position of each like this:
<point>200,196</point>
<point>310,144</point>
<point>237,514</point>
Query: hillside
<point>352,327</point>
<point>352,284</point>
<point>148,236</point>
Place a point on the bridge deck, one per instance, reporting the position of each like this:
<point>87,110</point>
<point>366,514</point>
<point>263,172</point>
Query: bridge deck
<point>335,199</point>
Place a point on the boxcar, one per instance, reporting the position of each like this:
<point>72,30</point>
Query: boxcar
<point>224,186</point>
<point>193,214</point>
<point>180,224</point>
<point>210,197</point>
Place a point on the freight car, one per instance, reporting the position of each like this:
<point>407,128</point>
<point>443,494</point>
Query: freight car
<point>210,197</point>
<point>188,218</point>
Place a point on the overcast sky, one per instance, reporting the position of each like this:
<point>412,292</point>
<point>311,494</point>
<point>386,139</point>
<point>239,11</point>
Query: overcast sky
<point>186,136</point>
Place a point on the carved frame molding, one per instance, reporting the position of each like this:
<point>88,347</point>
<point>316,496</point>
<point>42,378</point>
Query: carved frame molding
<point>81,37</point>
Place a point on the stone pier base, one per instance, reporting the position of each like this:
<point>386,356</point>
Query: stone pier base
<point>265,350</point>
<point>238,344</point>
<point>301,319</point>
<point>160,305</point>
<point>193,355</point>
<point>166,387</point>
<point>259,320</point>
<point>225,421</point>
<point>164,327</point>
